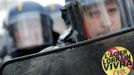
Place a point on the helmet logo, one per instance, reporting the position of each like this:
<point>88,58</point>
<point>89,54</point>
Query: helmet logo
<point>52,8</point>
<point>20,7</point>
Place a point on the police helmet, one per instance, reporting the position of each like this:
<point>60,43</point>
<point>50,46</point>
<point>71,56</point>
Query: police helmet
<point>52,8</point>
<point>79,12</point>
<point>29,26</point>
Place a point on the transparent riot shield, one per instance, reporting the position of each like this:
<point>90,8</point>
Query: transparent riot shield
<point>94,18</point>
<point>108,55</point>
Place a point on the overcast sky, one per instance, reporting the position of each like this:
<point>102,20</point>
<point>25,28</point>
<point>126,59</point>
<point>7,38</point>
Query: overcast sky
<point>3,13</point>
<point>46,2</point>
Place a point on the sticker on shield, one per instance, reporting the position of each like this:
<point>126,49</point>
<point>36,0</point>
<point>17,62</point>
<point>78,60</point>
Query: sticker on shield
<point>117,61</point>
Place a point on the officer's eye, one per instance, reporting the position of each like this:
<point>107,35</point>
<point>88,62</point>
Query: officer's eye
<point>112,11</point>
<point>94,14</point>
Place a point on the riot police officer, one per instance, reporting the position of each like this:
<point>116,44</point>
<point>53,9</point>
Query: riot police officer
<point>60,26</point>
<point>93,18</point>
<point>30,28</point>
<point>58,23</point>
<point>67,35</point>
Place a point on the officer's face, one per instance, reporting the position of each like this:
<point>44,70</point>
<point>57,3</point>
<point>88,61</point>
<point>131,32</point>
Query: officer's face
<point>28,33</point>
<point>102,19</point>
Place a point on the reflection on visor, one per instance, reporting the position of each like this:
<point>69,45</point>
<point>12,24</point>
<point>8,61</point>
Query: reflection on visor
<point>28,30</point>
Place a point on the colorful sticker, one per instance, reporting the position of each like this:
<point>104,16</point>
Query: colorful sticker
<point>117,61</point>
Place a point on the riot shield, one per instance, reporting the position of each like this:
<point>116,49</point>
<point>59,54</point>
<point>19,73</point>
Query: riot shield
<point>111,54</point>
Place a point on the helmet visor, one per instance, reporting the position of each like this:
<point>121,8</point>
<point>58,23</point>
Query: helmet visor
<point>28,30</point>
<point>100,17</point>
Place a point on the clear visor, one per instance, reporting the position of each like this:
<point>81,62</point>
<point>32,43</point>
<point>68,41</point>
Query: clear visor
<point>29,32</point>
<point>100,17</point>
<point>94,18</point>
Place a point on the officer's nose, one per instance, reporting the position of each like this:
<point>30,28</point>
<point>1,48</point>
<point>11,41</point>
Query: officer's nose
<point>106,21</point>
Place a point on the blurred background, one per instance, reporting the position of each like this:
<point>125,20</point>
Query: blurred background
<point>5,5</point>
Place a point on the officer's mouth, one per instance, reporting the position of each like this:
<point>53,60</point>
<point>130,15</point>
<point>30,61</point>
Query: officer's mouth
<point>104,32</point>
